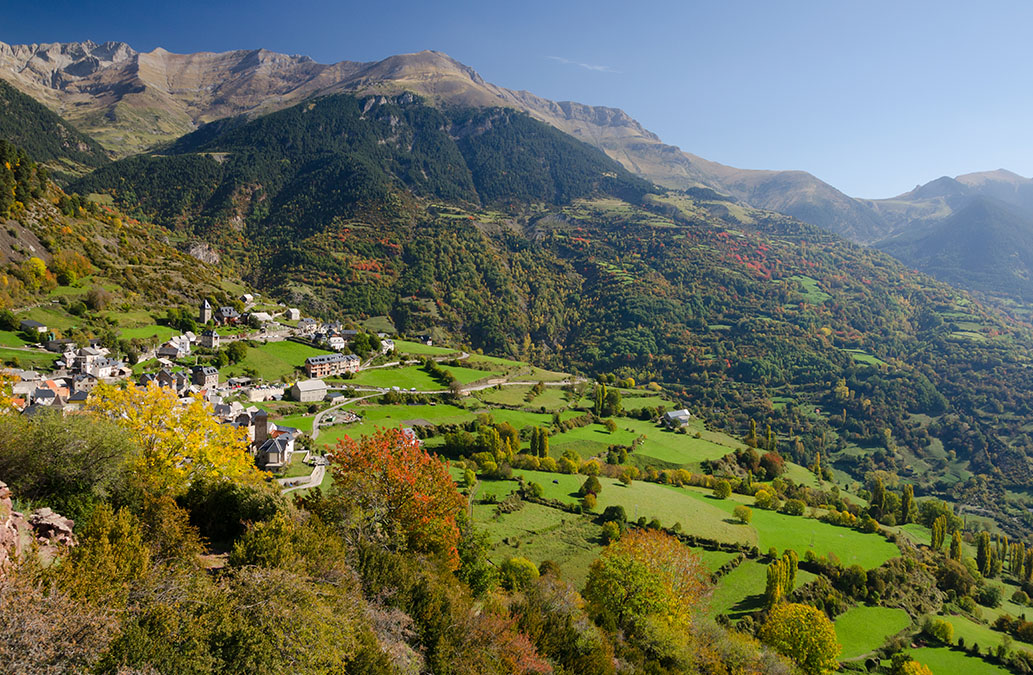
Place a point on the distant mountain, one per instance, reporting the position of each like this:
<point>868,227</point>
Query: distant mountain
<point>133,101</point>
<point>984,245</point>
<point>45,136</point>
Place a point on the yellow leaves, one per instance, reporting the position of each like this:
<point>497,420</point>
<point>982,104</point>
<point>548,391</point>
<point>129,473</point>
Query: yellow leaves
<point>178,443</point>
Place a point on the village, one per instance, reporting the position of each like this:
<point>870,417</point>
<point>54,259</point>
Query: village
<point>78,370</point>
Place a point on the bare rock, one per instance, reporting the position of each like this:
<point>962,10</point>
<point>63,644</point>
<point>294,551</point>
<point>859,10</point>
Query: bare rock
<point>52,528</point>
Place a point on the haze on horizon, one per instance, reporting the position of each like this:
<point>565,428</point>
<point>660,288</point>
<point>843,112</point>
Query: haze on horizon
<point>873,98</point>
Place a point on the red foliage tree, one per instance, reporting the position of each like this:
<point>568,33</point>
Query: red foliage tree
<point>400,491</point>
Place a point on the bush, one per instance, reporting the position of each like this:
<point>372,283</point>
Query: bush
<point>588,502</point>
<point>220,509</point>
<point>722,489</point>
<point>591,486</point>
<point>517,573</point>
<point>938,629</point>
<point>615,514</point>
<point>611,532</point>
<point>990,595</point>
<point>743,514</point>
<point>794,507</point>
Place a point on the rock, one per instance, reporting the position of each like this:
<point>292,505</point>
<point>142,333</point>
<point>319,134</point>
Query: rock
<point>51,531</point>
<point>52,528</point>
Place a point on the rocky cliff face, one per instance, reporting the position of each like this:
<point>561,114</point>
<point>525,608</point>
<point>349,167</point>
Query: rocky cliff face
<point>50,531</point>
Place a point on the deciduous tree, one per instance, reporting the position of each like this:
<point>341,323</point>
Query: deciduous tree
<point>400,492</point>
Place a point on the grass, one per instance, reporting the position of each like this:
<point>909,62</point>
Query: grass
<point>297,468</point>
<point>945,661</point>
<point>802,534</point>
<point>553,398</point>
<point>162,333</point>
<point>468,375</point>
<point>861,630</point>
<point>648,500</point>
<point>811,293</point>
<point>273,360</point>
<point>53,318</point>
<point>407,347</point>
<point>540,533</point>
<point>407,377</point>
<point>391,416</point>
<point>741,591</point>
<point>974,632</point>
<point>10,338</point>
<point>861,356</point>
<point>27,359</point>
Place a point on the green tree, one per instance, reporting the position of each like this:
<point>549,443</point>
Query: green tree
<point>908,510</point>
<point>955,552</point>
<point>743,514</point>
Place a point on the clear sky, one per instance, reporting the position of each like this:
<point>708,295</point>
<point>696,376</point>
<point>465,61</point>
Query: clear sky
<point>871,96</point>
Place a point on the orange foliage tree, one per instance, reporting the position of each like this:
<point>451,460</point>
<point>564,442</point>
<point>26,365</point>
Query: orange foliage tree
<point>400,491</point>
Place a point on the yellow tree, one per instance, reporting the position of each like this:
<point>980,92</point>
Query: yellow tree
<point>805,635</point>
<point>647,575</point>
<point>178,443</point>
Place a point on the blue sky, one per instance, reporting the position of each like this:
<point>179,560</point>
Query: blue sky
<point>873,97</point>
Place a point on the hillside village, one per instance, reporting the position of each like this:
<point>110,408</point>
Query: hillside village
<point>78,369</point>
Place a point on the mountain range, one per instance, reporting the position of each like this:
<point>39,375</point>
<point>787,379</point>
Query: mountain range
<point>133,102</point>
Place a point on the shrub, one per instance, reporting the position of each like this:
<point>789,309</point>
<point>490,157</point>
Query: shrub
<point>743,514</point>
<point>722,489</point>
<point>518,573</point>
<point>938,629</point>
<point>611,532</point>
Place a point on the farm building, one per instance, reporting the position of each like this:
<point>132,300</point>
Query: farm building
<point>308,391</point>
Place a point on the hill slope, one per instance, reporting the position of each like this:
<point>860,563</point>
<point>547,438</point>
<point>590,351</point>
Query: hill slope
<point>439,220</point>
<point>45,136</point>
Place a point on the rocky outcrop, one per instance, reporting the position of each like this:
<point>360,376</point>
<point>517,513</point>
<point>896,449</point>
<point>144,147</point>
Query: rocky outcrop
<point>50,531</point>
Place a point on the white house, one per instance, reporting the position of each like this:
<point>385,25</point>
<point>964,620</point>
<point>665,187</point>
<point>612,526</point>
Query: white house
<point>292,314</point>
<point>677,418</point>
<point>308,391</point>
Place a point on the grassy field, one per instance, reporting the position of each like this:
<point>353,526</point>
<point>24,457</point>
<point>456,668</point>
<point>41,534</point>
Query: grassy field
<point>862,630</point>
<point>27,359</point>
<point>741,591</point>
<point>468,375</point>
<point>392,416</point>
<point>553,398</point>
<point>540,533</point>
<point>163,333</point>
<point>802,534</point>
<point>811,293</point>
<point>494,362</point>
<point>55,319</point>
<point>973,632</point>
<point>944,661</point>
<point>297,468</point>
<point>273,360</point>
<point>403,378</point>
<point>10,338</point>
<point>420,349</point>
<point>648,500</point>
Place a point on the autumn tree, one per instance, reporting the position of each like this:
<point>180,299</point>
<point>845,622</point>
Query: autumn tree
<point>176,444</point>
<point>939,532</point>
<point>805,635</point>
<point>647,576</point>
<point>398,492</point>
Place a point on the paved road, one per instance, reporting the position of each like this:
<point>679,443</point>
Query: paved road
<point>314,479</point>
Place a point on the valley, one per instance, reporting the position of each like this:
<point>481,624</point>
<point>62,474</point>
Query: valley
<point>453,377</point>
